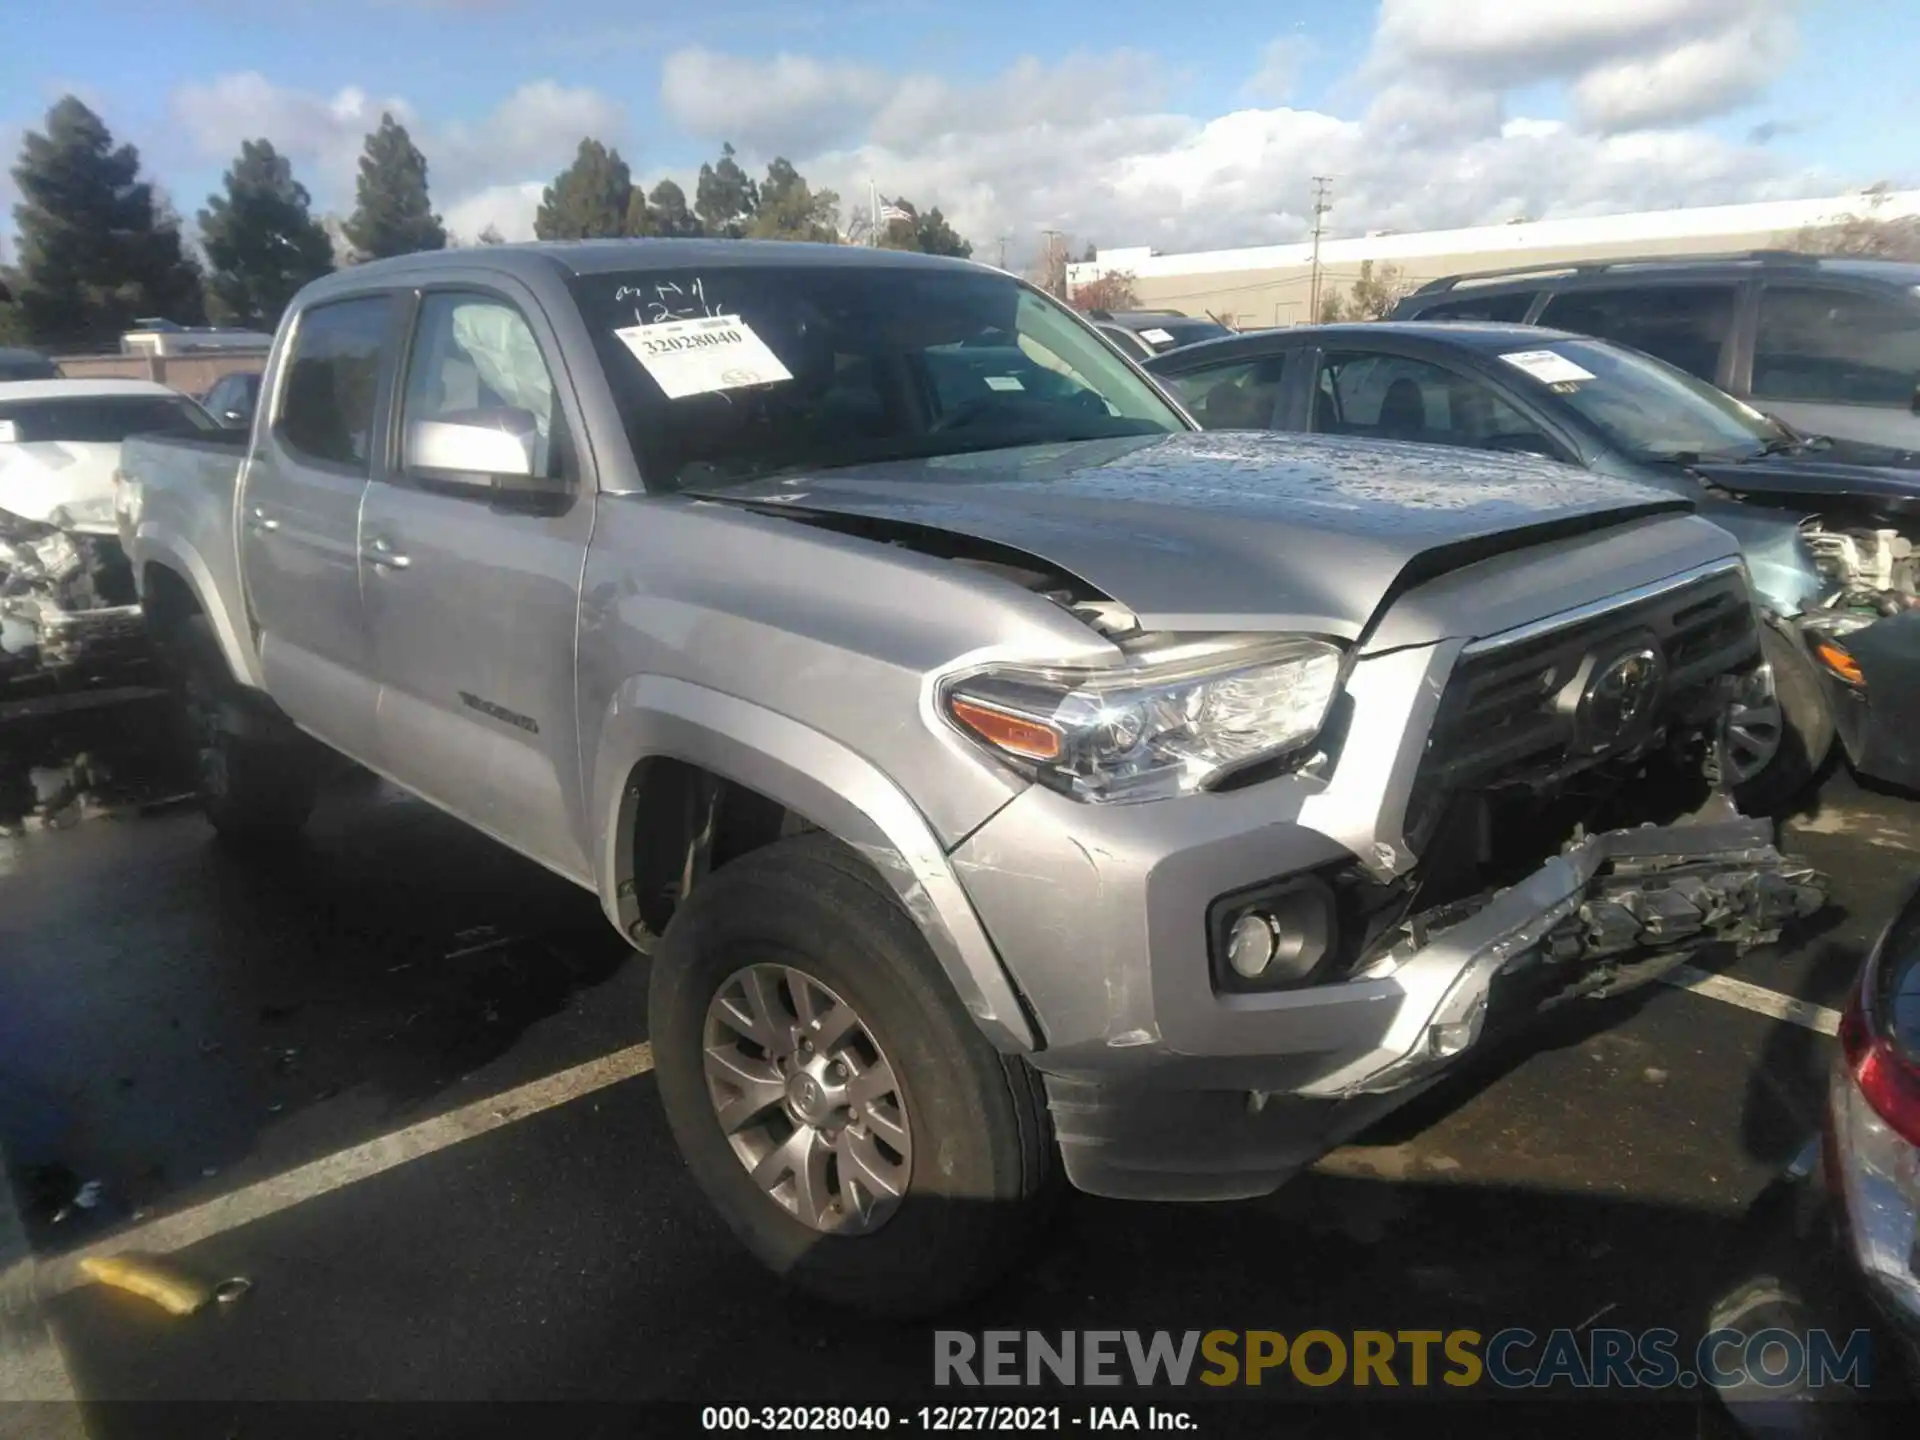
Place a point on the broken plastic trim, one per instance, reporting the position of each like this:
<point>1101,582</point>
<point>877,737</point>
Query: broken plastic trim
<point>1657,891</point>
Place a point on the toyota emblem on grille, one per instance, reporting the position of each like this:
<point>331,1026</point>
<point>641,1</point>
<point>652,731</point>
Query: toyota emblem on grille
<point>1621,693</point>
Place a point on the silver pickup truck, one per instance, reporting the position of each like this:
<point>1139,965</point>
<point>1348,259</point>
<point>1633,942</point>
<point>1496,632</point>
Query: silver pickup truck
<point>1002,775</point>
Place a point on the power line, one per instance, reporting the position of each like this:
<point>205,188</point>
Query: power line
<point>1322,203</point>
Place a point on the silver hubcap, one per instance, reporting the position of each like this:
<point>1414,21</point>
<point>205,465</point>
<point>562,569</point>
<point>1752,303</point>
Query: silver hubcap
<point>1755,727</point>
<point>807,1099</point>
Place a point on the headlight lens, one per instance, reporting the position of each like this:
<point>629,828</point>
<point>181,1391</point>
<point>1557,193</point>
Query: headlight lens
<point>94,510</point>
<point>1177,718</point>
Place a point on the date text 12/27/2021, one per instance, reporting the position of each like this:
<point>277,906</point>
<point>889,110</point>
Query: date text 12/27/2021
<point>940,1419</point>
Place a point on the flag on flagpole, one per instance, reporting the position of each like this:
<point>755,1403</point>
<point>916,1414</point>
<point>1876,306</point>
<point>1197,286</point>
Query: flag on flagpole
<point>890,212</point>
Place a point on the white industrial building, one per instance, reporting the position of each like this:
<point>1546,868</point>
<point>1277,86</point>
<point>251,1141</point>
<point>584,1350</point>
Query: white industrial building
<point>1271,284</point>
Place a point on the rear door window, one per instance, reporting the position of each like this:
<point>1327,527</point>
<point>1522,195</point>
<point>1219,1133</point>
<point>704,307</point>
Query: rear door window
<point>1684,325</point>
<point>1835,346</point>
<point>333,382</point>
<point>1233,395</point>
<point>1395,397</point>
<point>1508,309</point>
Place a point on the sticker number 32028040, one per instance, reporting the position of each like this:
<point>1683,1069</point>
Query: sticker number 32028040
<point>698,357</point>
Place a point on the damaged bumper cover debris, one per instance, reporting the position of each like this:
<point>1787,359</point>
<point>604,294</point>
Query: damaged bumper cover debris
<point>1611,912</point>
<point>66,600</point>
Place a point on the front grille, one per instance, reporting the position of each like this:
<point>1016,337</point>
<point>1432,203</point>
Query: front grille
<point>1507,717</point>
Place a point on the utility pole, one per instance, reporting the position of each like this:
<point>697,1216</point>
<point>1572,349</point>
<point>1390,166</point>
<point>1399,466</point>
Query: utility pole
<point>1322,203</point>
<point>1057,287</point>
<point>1003,250</point>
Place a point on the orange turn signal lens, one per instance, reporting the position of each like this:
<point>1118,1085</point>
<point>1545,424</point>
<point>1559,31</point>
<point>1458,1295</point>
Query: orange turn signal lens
<point>1839,662</point>
<point>1013,733</point>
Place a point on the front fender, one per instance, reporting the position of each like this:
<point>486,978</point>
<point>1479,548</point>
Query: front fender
<point>816,777</point>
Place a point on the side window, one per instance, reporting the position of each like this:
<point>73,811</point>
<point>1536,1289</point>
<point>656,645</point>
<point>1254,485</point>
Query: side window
<point>1232,396</point>
<point>1391,397</point>
<point>333,381</point>
<point>1508,309</point>
<point>1836,346</point>
<point>1684,325</point>
<point>474,358</point>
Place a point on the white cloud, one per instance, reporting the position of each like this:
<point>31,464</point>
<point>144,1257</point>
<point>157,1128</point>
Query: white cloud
<point>532,133</point>
<point>788,104</point>
<point>507,208</point>
<point>1281,62</point>
<point>1700,78</point>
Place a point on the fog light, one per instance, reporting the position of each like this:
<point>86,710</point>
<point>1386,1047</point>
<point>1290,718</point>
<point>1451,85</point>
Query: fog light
<point>1448,1040</point>
<point>1250,947</point>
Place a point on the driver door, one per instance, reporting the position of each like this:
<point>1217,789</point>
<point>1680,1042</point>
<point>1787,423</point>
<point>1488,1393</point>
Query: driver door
<point>1382,395</point>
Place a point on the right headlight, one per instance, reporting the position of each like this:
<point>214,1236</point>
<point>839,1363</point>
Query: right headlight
<point>1177,718</point>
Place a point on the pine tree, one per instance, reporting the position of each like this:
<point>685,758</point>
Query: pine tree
<point>98,250</point>
<point>589,199</point>
<point>725,197</point>
<point>393,215</point>
<point>261,239</point>
<point>929,233</point>
<point>789,209</point>
<point>667,211</point>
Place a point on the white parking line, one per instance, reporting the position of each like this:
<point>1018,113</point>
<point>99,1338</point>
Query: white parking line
<point>1755,998</point>
<point>163,1234</point>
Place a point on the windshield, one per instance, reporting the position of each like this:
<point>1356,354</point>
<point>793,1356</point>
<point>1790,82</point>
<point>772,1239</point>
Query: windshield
<point>1645,406</point>
<point>100,419</point>
<point>738,372</point>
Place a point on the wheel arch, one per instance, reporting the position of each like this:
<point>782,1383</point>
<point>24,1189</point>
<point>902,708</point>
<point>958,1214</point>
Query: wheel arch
<point>725,775</point>
<point>174,587</point>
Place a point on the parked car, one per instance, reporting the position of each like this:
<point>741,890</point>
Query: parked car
<point>1832,1246</point>
<point>232,398</point>
<point>1830,346</point>
<point>1144,333</point>
<point>67,597</point>
<point>17,364</point>
<point>1829,527</point>
<point>1001,775</point>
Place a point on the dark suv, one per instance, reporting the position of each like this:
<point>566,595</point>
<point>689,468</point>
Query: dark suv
<point>1832,347</point>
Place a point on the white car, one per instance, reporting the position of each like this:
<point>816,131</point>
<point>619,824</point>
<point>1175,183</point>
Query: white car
<point>67,598</point>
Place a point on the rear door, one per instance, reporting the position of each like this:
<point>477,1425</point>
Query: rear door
<point>300,516</point>
<point>473,600</point>
<point>1233,393</point>
<point>1688,324</point>
<point>1839,361</point>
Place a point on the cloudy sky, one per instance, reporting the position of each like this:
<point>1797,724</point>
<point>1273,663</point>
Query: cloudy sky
<point>1127,123</point>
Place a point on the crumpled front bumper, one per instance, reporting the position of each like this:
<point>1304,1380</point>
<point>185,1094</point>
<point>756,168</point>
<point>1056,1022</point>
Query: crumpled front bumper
<point>1878,720</point>
<point>1613,911</point>
<point>35,631</point>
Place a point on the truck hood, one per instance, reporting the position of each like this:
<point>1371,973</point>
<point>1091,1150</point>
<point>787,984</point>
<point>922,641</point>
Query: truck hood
<point>41,477</point>
<point>1872,476</point>
<point>1225,530</point>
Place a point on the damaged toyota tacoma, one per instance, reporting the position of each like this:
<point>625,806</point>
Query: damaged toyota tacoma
<point>67,602</point>
<point>1002,775</point>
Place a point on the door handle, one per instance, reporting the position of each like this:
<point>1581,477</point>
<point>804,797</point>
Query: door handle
<point>380,552</point>
<point>258,520</point>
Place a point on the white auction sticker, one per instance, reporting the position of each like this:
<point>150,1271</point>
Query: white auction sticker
<point>1156,337</point>
<point>1004,382</point>
<point>7,432</point>
<point>1547,367</point>
<point>698,357</point>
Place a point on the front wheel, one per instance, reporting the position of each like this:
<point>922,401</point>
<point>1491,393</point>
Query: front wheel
<point>829,1093</point>
<point>1779,730</point>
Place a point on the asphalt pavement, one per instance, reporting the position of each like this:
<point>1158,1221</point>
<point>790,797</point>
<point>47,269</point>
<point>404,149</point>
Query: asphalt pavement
<point>180,1026</point>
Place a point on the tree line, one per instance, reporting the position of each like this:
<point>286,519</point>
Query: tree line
<point>101,248</point>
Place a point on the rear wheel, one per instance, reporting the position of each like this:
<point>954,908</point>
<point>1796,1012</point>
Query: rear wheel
<point>1779,730</point>
<point>831,1096</point>
<point>257,783</point>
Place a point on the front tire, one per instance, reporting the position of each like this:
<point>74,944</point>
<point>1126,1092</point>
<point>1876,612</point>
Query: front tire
<point>255,788</point>
<point>1792,721</point>
<point>898,1164</point>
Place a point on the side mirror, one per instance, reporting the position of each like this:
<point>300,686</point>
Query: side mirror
<point>485,452</point>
